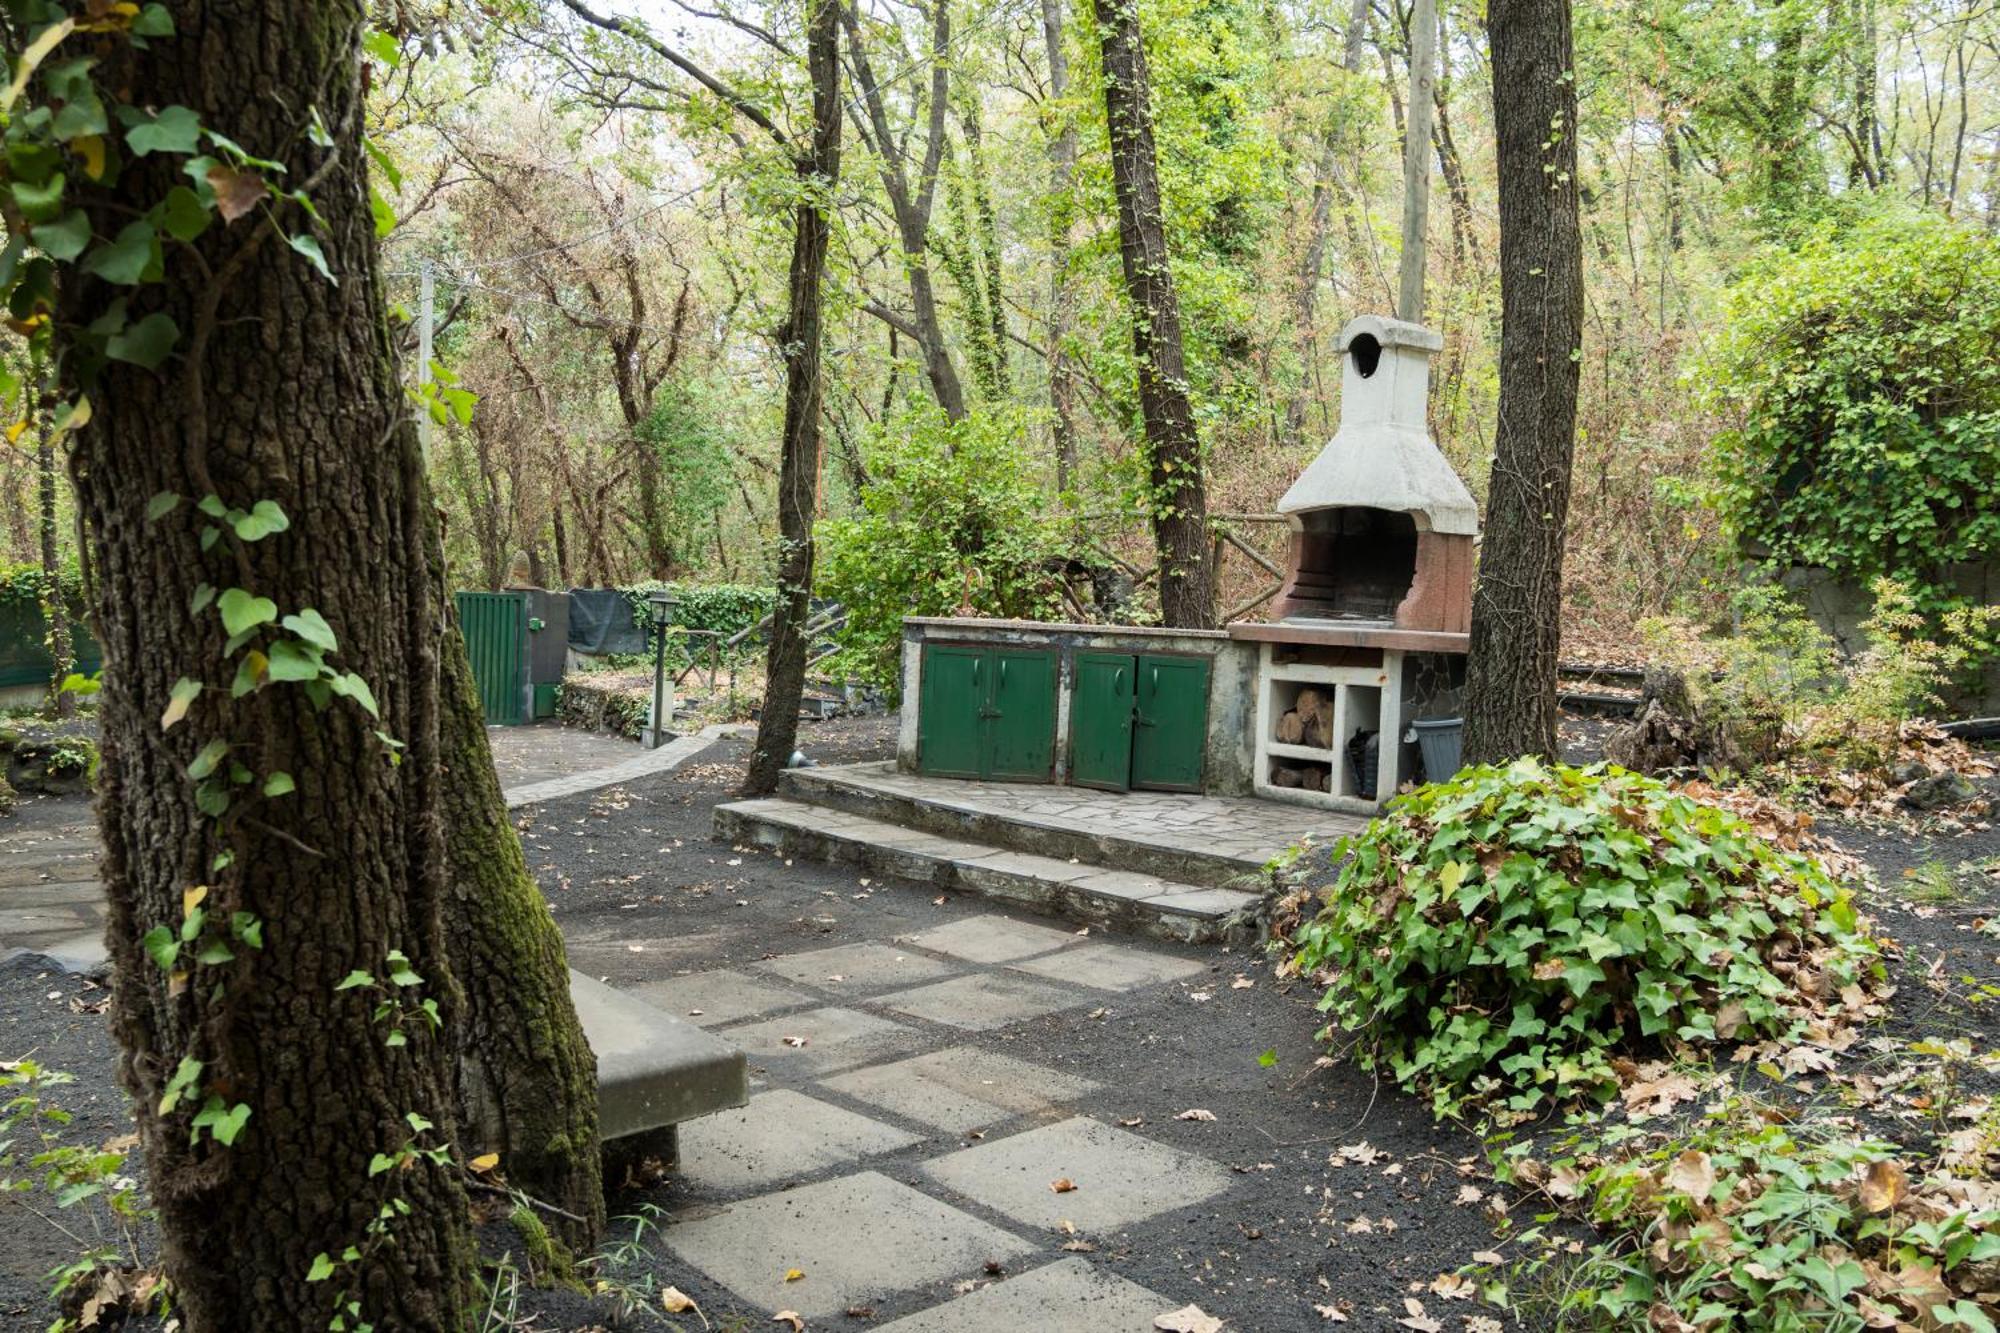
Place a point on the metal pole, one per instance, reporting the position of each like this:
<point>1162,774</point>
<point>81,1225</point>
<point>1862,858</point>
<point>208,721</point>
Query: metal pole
<point>1417,159</point>
<point>659,678</point>
<point>426,317</point>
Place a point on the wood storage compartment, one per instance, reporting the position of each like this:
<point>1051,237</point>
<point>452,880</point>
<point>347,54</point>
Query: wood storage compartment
<point>1313,724</point>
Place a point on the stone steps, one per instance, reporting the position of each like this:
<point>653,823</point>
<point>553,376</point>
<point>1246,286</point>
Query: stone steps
<point>1083,889</point>
<point>952,810</point>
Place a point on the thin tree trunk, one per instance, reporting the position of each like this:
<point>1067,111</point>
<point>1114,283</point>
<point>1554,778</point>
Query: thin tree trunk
<point>1062,218</point>
<point>1510,693</point>
<point>1179,506</point>
<point>282,388</point>
<point>55,605</point>
<point>798,472</point>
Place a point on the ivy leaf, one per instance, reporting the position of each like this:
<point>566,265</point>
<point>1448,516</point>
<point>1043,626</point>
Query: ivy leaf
<point>82,115</point>
<point>65,238</point>
<point>279,784</point>
<point>145,344</point>
<point>39,202</point>
<point>356,978</point>
<point>184,693</point>
<point>225,1125</point>
<point>215,952</point>
<point>184,214</point>
<point>243,612</point>
<point>184,1078</point>
<point>308,246</point>
<point>264,518</point>
<point>322,1268</point>
<point>177,129</point>
<point>129,259</point>
<point>162,504</point>
<point>350,686</point>
<point>385,216</point>
<point>309,625</point>
<point>153,21</point>
<point>383,46</point>
<point>247,928</point>
<point>163,947</point>
<point>205,762</point>
<point>236,192</point>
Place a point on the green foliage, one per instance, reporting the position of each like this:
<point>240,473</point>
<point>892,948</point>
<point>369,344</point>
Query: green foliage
<point>725,608</point>
<point>1497,938</point>
<point>1778,687</point>
<point>696,476</point>
<point>1864,373</point>
<point>953,523</point>
<point>1753,1220</point>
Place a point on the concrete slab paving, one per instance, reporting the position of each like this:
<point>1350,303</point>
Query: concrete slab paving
<point>982,1001</point>
<point>962,1088</point>
<point>992,939</point>
<point>1112,967</point>
<point>858,969</point>
<point>856,1239</point>
<point>1073,1296</point>
<point>1120,1177</point>
<point>822,1041</point>
<point>708,999</point>
<point>780,1136</point>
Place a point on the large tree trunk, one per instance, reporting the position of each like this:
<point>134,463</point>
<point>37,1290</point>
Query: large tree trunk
<point>1510,705</point>
<point>282,388</point>
<point>798,471</point>
<point>1179,503</point>
<point>527,1081</point>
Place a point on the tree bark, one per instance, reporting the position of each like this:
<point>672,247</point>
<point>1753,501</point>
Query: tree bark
<point>1510,704</point>
<point>798,471</point>
<point>1179,506</point>
<point>1062,217</point>
<point>527,1081</point>
<point>282,387</point>
<point>55,606</point>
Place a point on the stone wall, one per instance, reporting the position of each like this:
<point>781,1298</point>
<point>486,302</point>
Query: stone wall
<point>1841,607</point>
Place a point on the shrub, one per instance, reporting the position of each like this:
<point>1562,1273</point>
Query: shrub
<point>1497,938</point>
<point>954,522</point>
<point>1862,369</point>
<point>1754,1221</point>
<point>1778,687</point>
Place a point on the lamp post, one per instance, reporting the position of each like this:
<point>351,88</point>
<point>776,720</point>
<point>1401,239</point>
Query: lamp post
<point>660,607</point>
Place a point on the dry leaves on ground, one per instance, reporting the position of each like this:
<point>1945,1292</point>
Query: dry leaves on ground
<point>1187,1319</point>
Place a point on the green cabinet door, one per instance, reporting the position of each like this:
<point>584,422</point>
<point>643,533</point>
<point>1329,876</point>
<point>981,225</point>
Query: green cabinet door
<point>1021,722</point>
<point>1100,721</point>
<point>951,698</point>
<point>1171,711</point>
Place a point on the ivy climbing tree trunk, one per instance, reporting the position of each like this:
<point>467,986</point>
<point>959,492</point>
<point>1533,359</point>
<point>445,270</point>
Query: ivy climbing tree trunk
<point>818,168</point>
<point>1179,505</point>
<point>1510,703</point>
<point>1062,220</point>
<point>55,601</point>
<point>527,1081</point>
<point>270,844</point>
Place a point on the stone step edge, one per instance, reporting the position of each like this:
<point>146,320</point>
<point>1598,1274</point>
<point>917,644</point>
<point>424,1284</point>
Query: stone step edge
<point>1023,833</point>
<point>1187,913</point>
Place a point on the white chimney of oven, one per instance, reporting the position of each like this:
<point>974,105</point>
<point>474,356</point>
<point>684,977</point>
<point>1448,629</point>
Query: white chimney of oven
<point>1383,457</point>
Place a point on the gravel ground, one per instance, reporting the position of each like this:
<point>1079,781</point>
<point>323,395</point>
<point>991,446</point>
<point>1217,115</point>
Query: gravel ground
<point>635,866</point>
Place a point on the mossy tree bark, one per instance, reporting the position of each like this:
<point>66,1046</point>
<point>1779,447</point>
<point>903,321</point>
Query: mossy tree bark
<point>527,1081</point>
<point>282,387</point>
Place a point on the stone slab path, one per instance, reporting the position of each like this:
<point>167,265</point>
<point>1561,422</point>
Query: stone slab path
<point>902,1150</point>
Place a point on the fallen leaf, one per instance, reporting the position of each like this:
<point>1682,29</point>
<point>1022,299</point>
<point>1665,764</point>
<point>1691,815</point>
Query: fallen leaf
<point>1063,1185</point>
<point>1333,1314</point>
<point>794,1274</point>
<point>1693,1175</point>
<point>486,1161</point>
<point>797,1041</point>
<point>790,1317</point>
<point>1187,1319</point>
<point>1241,983</point>
<point>1883,1187</point>
<point>1469,1194</point>
<point>1417,1319</point>
<point>1079,1246</point>
<point>1195,1113</point>
<point>1135,1120</point>
<point>1453,1287</point>
<point>676,1301</point>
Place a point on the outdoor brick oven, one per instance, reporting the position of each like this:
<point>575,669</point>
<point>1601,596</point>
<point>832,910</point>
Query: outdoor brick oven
<point>1370,628</point>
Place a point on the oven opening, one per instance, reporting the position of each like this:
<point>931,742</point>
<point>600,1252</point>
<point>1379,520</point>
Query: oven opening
<point>1354,564</point>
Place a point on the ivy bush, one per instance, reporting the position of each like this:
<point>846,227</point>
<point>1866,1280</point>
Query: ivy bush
<point>1862,369</point>
<point>954,522</point>
<point>727,608</point>
<point>1496,939</point>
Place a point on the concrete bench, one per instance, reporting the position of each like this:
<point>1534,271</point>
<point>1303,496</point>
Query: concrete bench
<point>653,1072</point>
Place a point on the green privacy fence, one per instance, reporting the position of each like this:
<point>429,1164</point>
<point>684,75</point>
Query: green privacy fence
<point>495,626</point>
<point>24,653</point>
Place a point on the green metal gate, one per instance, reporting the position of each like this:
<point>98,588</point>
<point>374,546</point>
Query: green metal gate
<point>1138,720</point>
<point>987,713</point>
<point>495,626</point>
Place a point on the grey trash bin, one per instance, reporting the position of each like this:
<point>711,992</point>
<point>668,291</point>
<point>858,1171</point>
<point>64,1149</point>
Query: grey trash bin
<point>1441,741</point>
